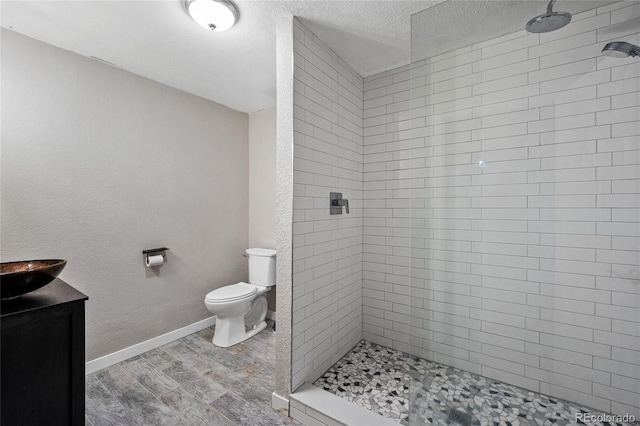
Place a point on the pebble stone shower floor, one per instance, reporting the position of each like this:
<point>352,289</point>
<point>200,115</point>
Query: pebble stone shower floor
<point>380,379</point>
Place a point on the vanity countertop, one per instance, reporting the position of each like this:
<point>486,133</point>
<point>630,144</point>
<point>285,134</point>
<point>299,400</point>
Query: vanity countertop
<point>57,292</point>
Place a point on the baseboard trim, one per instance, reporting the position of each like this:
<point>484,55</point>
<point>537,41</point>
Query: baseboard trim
<point>139,348</point>
<point>279,403</point>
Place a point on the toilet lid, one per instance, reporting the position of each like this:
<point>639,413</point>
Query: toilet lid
<point>260,252</point>
<point>232,292</point>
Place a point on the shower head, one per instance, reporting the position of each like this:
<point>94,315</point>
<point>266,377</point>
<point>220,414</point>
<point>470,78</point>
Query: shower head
<point>620,49</point>
<point>549,21</point>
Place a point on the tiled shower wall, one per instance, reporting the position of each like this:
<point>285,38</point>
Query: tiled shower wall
<point>525,184</point>
<point>327,250</point>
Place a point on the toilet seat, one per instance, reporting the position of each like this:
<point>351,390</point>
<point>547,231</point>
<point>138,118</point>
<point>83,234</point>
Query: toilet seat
<point>231,293</point>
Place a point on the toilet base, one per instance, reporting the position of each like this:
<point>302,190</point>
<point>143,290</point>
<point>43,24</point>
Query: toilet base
<point>240,320</point>
<point>229,332</point>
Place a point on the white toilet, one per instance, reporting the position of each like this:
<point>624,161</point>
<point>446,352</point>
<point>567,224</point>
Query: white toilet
<point>241,308</point>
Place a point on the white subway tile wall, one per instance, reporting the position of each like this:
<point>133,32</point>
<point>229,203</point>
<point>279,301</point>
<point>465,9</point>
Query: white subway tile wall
<point>501,215</point>
<point>327,250</point>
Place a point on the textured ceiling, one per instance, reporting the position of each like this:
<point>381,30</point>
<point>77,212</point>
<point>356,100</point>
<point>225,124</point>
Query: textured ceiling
<point>157,39</point>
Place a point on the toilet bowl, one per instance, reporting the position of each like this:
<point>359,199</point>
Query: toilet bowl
<point>241,308</point>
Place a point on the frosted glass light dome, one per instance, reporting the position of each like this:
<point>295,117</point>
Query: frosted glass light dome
<point>213,15</point>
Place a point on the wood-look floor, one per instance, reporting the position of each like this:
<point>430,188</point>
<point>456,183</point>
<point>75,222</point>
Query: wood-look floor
<point>189,382</point>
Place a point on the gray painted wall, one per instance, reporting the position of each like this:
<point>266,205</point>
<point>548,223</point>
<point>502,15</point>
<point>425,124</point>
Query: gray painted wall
<point>262,184</point>
<point>262,178</point>
<point>99,164</point>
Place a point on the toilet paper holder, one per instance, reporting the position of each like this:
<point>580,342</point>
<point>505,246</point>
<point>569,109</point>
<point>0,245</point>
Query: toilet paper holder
<point>151,252</point>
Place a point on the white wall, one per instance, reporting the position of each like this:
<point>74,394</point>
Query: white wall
<point>387,202</point>
<point>284,207</point>
<point>327,250</point>
<point>524,270</point>
<point>99,164</point>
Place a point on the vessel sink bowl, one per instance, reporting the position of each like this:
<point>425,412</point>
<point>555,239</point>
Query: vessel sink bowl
<point>18,278</point>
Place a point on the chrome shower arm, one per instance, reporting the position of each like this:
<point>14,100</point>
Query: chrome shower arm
<point>550,6</point>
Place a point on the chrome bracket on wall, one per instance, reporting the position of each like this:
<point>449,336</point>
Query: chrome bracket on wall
<point>336,203</point>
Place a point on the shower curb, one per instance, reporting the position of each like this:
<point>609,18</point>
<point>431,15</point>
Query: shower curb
<point>314,406</point>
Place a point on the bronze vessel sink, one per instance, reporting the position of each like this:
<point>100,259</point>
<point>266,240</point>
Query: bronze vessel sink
<point>18,278</point>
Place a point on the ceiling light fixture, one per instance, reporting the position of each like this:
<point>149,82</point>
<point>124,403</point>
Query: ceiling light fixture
<point>213,15</point>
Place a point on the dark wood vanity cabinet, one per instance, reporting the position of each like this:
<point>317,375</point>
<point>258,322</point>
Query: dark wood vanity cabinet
<point>42,357</point>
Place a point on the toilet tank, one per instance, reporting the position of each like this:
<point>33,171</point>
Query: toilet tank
<point>262,267</point>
